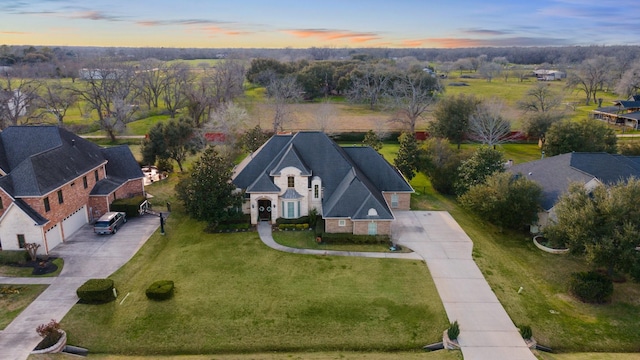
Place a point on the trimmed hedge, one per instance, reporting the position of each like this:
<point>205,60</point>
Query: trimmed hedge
<point>96,291</point>
<point>591,287</point>
<point>526,332</point>
<point>346,238</point>
<point>239,226</point>
<point>300,220</point>
<point>130,206</point>
<point>319,229</point>
<point>293,226</point>
<point>160,290</point>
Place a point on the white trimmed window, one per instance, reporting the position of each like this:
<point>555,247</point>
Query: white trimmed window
<point>394,200</point>
<point>342,222</point>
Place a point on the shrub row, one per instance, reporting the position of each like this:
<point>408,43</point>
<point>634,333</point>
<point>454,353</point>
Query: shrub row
<point>160,290</point>
<point>293,226</point>
<point>239,226</point>
<point>354,239</point>
<point>300,220</point>
<point>129,206</point>
<point>96,291</point>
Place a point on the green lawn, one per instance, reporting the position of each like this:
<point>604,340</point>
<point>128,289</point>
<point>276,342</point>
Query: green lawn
<point>14,299</point>
<point>234,295</point>
<point>306,240</point>
<point>324,355</point>
<point>509,261</point>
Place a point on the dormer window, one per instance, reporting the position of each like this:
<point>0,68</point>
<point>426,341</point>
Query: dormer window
<point>291,182</point>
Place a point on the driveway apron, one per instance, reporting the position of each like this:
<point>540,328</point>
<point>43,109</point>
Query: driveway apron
<point>486,331</point>
<point>86,256</point>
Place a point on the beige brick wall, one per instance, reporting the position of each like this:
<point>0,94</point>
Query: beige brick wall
<point>362,227</point>
<point>333,226</point>
<point>404,200</point>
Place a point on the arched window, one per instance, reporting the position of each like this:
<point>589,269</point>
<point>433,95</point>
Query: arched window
<point>372,212</point>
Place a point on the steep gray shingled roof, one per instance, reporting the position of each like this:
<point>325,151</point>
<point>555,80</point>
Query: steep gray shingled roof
<point>291,158</point>
<point>121,167</point>
<point>384,176</point>
<point>349,177</point>
<point>42,158</point>
<point>554,174</point>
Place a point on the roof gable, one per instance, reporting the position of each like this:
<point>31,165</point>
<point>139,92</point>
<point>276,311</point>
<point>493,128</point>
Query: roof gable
<point>293,159</point>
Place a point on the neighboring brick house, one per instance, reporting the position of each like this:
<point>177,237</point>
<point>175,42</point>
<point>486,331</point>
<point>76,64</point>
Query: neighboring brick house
<point>53,182</point>
<point>354,188</point>
<point>554,174</point>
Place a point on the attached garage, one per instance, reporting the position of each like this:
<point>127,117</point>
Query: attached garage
<point>53,236</point>
<point>75,221</point>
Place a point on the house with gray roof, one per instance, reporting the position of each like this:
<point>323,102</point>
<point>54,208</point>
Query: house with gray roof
<point>555,174</point>
<point>52,182</point>
<point>622,112</point>
<point>354,188</point>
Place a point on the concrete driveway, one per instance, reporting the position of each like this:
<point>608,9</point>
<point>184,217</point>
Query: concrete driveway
<point>486,331</point>
<point>86,255</point>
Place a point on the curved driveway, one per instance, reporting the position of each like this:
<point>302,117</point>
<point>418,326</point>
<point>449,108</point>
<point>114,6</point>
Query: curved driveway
<point>486,331</point>
<point>86,256</point>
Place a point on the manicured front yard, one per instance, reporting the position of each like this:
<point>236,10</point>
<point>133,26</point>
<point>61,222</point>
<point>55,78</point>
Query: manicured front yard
<point>14,299</point>
<point>235,295</point>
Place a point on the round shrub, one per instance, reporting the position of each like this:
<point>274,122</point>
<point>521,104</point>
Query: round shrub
<point>96,291</point>
<point>160,290</point>
<point>591,287</point>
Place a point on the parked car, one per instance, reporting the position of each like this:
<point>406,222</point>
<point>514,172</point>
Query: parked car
<point>109,223</point>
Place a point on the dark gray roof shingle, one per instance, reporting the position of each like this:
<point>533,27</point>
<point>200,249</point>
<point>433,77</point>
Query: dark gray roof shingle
<point>554,174</point>
<point>352,178</point>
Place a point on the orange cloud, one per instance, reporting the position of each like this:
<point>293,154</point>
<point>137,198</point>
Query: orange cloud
<point>455,42</point>
<point>13,33</point>
<point>327,34</point>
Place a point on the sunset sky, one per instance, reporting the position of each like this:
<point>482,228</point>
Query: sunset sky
<point>328,23</point>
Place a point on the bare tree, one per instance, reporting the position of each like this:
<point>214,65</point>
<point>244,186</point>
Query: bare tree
<point>410,95</point>
<point>541,99</point>
<point>199,99</point>
<point>177,76</point>
<point>150,81</point>
<point>368,83</point>
<point>227,80</point>
<point>325,116</point>
<point>487,125</point>
<point>18,91</point>
<point>629,84</point>
<point>229,119</point>
<point>589,77</point>
<point>490,70</point>
<point>109,89</point>
<point>282,92</point>
<point>56,99</point>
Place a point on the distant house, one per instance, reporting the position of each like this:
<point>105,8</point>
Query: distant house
<point>52,182</point>
<point>623,112</point>
<point>555,174</point>
<point>13,102</point>
<point>549,75</point>
<point>354,188</point>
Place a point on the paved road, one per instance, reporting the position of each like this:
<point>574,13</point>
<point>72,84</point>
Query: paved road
<point>86,255</point>
<point>486,331</point>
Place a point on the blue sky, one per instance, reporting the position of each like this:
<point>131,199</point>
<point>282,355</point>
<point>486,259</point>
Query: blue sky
<point>327,23</point>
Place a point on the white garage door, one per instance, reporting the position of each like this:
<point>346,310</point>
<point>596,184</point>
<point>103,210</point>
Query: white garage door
<point>74,221</point>
<point>54,236</point>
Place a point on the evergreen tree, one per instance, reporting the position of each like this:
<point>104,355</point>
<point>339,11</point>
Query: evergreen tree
<point>408,155</point>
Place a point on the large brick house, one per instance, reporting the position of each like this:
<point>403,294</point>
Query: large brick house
<point>354,188</point>
<point>52,182</point>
